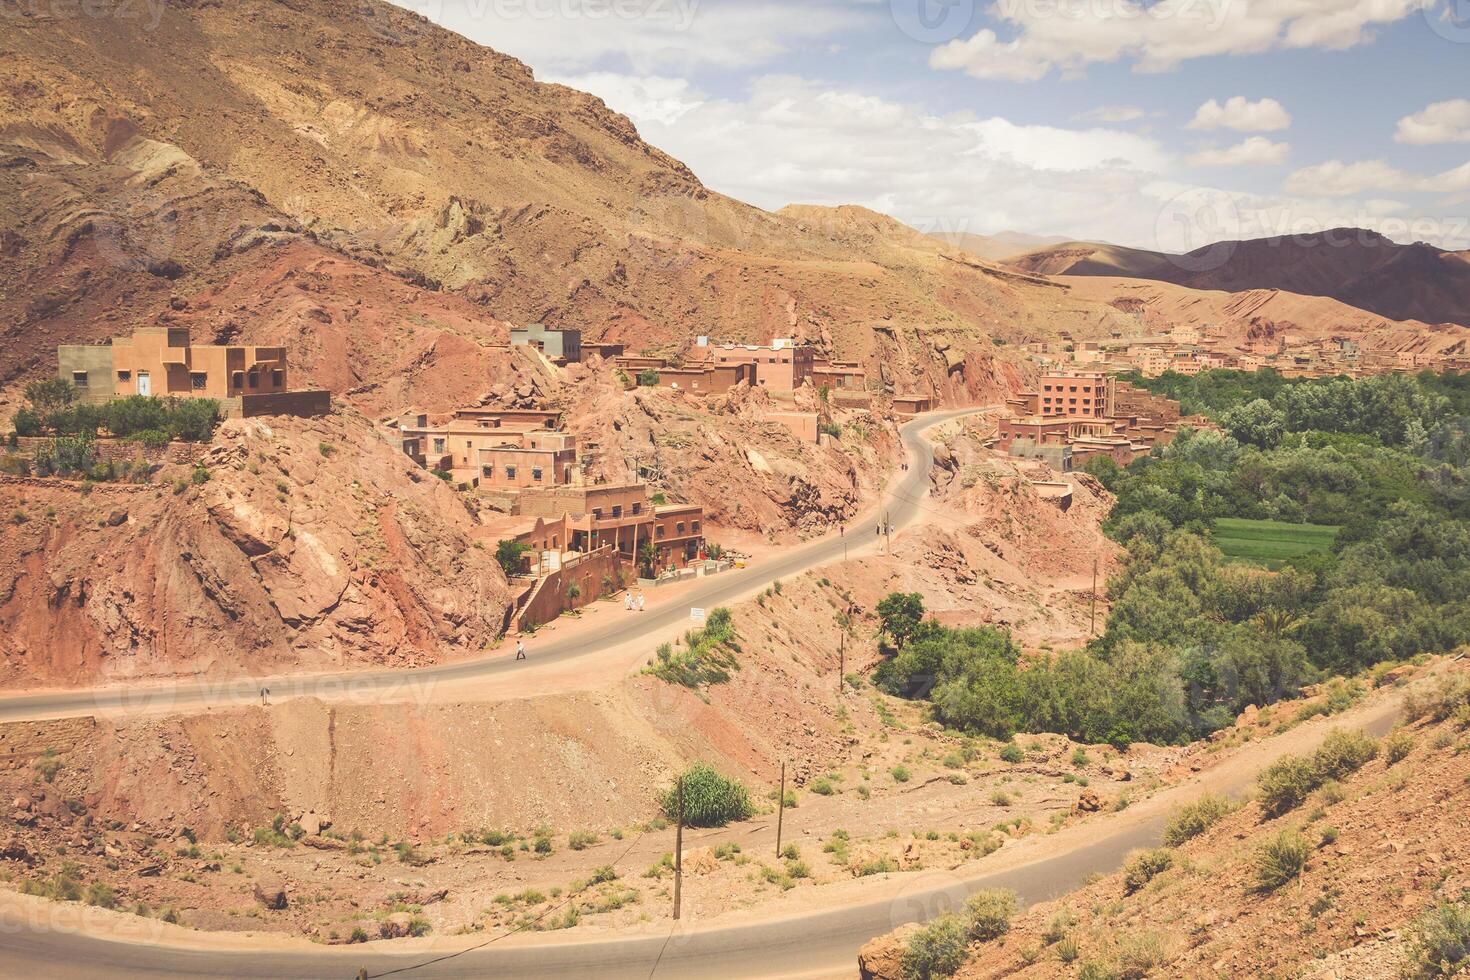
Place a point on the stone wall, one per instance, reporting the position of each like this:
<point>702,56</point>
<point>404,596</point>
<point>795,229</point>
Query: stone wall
<point>549,600</point>
<point>125,451</point>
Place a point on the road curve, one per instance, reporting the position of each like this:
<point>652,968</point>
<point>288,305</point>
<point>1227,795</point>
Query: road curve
<point>901,503</point>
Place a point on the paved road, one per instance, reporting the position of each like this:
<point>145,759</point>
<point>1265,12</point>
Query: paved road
<point>902,504</point>
<point>824,943</point>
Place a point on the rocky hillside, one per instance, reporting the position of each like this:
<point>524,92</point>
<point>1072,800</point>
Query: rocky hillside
<point>1358,267</point>
<point>149,172</point>
<point>306,544</point>
<point>1349,862</point>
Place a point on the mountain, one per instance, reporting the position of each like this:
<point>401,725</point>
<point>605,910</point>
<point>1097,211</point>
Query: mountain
<point>1359,267</point>
<point>146,168</point>
<point>1001,245</point>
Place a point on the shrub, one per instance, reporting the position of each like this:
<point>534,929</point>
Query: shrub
<point>936,950</point>
<point>710,800</point>
<point>1342,753</point>
<point>1397,747</point>
<point>822,787</point>
<point>1285,784</point>
<point>1080,757</point>
<point>988,913</point>
<point>1000,799</point>
<point>901,773</point>
<point>1439,942</point>
<point>647,378</point>
<point>1194,818</point>
<point>1281,859</point>
<point>1011,752</point>
<point>1144,867</point>
<point>580,840</point>
<point>101,895</point>
<point>1138,956</point>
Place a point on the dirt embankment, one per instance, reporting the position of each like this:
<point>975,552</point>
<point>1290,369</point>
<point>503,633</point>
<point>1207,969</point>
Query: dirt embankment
<point>1378,848</point>
<point>297,544</point>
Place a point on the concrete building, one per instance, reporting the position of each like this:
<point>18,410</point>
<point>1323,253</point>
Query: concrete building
<point>783,365</point>
<point>561,345</point>
<point>161,362</point>
<point>1076,395</point>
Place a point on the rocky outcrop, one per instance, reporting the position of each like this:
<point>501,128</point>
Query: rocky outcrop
<point>882,958</point>
<point>311,543</point>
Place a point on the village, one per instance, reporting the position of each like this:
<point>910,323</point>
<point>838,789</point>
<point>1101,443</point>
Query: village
<point>566,538</point>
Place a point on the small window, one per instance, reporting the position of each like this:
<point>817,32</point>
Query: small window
<point>438,445</point>
<point>637,508</point>
<point>254,379</point>
<point>510,472</point>
<point>679,529</point>
<point>536,473</point>
<point>660,531</point>
<point>79,378</point>
<point>487,472</point>
<point>617,511</point>
<point>695,527</point>
<point>596,516</point>
<point>198,380</point>
<point>125,376</point>
<point>278,379</point>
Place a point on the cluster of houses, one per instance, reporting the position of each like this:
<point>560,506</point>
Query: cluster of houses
<point>1190,350</point>
<point>578,539</point>
<point>1073,416</point>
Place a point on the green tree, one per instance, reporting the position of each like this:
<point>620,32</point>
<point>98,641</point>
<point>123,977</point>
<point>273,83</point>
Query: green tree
<point>901,615</point>
<point>512,556</point>
<point>648,378</point>
<point>50,395</point>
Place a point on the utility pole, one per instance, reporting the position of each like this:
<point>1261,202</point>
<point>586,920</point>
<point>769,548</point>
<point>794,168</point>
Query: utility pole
<point>679,852</point>
<point>780,809</point>
<point>841,658</point>
<point>887,533</point>
<point>1092,627</point>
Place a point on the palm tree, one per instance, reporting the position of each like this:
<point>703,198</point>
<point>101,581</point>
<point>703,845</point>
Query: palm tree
<point>648,557</point>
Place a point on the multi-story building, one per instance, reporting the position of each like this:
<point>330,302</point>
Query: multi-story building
<point>782,365</point>
<point>162,362</point>
<point>1075,395</point>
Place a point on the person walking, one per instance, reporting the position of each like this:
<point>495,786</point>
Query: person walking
<point>520,649</point>
<point>641,601</point>
<point>628,601</point>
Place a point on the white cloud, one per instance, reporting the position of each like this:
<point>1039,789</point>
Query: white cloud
<point>646,36</point>
<point>1253,150</point>
<point>1242,115</point>
<point>789,140</point>
<point>1111,114</point>
<point>1067,37</point>
<point>1338,179</point>
<point>649,98</point>
<point>1442,122</point>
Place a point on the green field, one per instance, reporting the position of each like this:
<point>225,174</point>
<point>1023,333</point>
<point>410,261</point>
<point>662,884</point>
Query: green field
<point>1270,543</point>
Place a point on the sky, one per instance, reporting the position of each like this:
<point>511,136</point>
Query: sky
<point>1166,125</point>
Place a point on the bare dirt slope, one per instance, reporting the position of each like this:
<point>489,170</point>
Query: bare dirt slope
<point>296,543</point>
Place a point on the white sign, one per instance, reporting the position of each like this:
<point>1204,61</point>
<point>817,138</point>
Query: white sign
<point>696,614</point>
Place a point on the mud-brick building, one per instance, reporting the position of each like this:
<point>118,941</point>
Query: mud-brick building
<point>782,365</point>
<point>162,362</point>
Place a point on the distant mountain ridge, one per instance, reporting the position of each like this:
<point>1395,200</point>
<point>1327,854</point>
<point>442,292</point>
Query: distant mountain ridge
<point>1356,266</point>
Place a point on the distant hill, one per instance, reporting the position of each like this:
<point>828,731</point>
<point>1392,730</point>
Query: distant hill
<point>998,246</point>
<point>1358,267</point>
